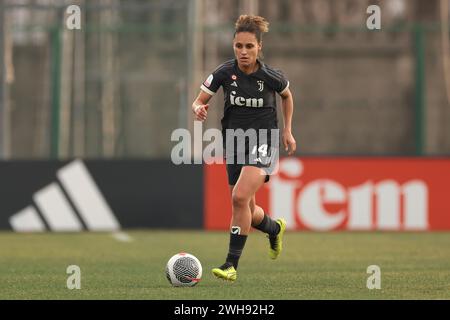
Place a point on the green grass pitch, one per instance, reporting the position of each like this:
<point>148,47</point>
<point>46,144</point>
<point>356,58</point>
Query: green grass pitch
<point>312,266</point>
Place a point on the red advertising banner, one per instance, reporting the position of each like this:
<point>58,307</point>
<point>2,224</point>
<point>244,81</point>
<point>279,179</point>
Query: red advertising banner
<point>327,194</point>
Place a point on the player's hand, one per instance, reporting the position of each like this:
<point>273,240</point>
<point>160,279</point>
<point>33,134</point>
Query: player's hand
<point>289,142</point>
<point>201,112</point>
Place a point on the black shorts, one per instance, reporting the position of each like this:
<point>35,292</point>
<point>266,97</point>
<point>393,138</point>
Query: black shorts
<point>234,171</point>
<point>261,151</point>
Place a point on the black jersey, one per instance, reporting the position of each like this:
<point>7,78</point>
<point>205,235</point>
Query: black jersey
<point>250,100</point>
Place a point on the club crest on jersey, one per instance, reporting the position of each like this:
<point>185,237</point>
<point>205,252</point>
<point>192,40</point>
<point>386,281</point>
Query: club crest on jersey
<point>260,85</point>
<point>243,102</point>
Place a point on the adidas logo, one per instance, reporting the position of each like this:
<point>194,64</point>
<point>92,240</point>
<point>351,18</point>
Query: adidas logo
<point>234,84</point>
<point>57,211</point>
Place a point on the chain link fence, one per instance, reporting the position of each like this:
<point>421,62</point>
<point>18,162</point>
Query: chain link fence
<point>118,87</point>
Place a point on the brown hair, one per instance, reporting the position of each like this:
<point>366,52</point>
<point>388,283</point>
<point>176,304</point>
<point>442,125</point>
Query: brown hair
<point>253,24</point>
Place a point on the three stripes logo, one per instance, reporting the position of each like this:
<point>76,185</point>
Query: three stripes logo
<point>58,204</point>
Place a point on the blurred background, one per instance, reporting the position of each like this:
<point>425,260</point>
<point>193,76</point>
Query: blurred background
<point>86,118</point>
<point>118,87</point>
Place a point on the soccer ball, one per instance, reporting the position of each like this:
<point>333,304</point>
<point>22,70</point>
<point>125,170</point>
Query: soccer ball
<point>183,270</point>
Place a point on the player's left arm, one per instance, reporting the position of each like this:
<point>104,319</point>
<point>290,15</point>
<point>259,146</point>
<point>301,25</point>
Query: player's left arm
<point>287,107</point>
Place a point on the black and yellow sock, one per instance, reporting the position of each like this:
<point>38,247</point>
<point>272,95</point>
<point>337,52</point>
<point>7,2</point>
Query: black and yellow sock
<point>237,243</point>
<point>268,226</point>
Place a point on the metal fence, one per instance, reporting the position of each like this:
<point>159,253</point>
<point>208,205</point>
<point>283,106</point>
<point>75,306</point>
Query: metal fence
<point>114,88</point>
<point>118,87</point>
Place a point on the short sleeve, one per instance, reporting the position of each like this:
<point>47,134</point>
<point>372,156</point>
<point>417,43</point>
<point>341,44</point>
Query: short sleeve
<point>212,83</point>
<point>282,84</point>
<point>278,80</point>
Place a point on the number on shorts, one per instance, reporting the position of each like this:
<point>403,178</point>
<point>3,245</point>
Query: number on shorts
<point>262,149</point>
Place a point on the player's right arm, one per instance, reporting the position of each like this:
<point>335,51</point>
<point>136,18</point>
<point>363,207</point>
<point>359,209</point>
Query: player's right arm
<point>208,89</point>
<point>200,106</point>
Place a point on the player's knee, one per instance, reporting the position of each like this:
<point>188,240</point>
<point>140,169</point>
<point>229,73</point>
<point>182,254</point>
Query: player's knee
<point>240,199</point>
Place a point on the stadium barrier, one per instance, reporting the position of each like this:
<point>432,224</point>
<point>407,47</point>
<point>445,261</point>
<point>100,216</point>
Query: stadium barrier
<point>327,194</point>
<point>99,195</point>
<point>318,194</point>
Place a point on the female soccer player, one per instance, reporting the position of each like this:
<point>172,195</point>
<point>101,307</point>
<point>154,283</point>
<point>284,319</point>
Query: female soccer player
<point>250,103</point>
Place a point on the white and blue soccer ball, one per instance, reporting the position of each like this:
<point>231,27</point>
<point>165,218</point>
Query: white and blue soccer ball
<point>183,270</point>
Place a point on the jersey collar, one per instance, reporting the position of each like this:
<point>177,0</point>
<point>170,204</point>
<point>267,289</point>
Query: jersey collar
<point>261,66</point>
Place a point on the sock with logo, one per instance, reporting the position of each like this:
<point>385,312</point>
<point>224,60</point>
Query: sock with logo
<point>237,243</point>
<point>268,226</point>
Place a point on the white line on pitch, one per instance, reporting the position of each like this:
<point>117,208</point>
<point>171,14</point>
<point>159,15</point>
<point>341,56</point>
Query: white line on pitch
<point>122,236</point>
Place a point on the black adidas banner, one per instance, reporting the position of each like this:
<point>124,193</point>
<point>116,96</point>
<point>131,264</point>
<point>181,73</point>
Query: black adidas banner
<point>99,195</point>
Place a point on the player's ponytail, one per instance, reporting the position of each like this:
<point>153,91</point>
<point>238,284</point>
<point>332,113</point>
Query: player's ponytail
<point>253,24</point>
